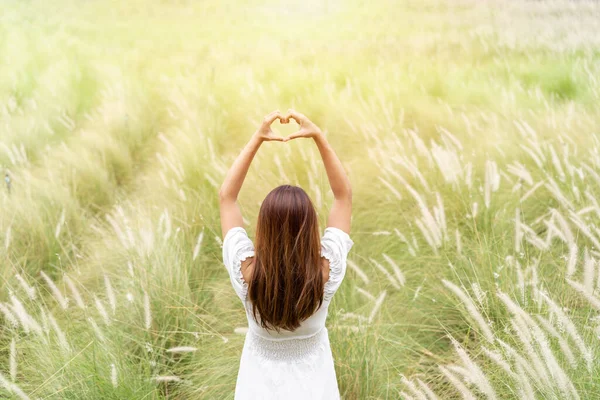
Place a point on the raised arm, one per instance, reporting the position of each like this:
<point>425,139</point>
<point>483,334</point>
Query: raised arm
<point>341,211</point>
<point>231,216</point>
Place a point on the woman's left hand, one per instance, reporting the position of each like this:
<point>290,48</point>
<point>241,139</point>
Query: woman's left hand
<point>265,133</point>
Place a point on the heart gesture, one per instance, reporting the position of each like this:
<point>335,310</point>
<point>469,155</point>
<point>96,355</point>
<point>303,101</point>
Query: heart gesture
<point>264,131</point>
<point>308,129</point>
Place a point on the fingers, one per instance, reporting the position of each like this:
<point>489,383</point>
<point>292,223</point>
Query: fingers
<point>272,117</point>
<point>295,135</point>
<point>296,116</point>
<point>279,139</point>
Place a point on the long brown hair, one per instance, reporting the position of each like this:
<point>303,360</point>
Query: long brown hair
<point>287,280</point>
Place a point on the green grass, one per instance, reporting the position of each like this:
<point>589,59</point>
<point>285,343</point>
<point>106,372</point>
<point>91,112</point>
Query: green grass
<point>120,120</point>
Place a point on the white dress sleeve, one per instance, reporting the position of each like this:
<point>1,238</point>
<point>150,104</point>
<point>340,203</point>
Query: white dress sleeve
<point>237,246</point>
<point>335,245</point>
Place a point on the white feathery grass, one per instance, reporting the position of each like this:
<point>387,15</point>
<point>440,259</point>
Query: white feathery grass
<point>550,363</point>
<point>44,320</point>
<point>27,321</point>
<point>30,290</point>
<point>167,378</point>
<point>381,233</point>
<point>147,311</point>
<point>497,358</point>
<point>531,191</point>
<point>118,231</point>
<point>520,171</point>
<point>521,329</point>
<point>474,208</point>
<point>182,349</point>
<point>472,309</point>
<point>350,315</point>
<point>556,163</point>
<point>593,300</point>
<point>397,272</point>
<point>526,391</point>
<point>413,388</point>
<point>584,229</point>
<point>440,215</point>
<point>533,156</point>
<point>427,218</point>
<point>553,188</point>
<point>386,273</point>
<point>492,181</point>
<point>564,226</point>
<point>589,272</point>
<point>417,293</point>
<point>62,301</point>
<point>12,388</point>
<point>480,295</point>
<point>96,329</point>
<point>241,330</point>
<point>368,295</point>
<point>427,390</point>
<point>564,344</point>
<point>478,377</point>
<point>572,260</point>
<point>427,235</point>
<point>62,339</point>
<point>448,163</point>
<point>518,232</point>
<point>130,269</point>
<point>13,359</point>
<point>391,188</point>
<point>406,396</point>
<point>7,237</point>
<point>377,306</point>
<point>60,223</point>
<point>75,292</point>
<point>570,328</point>
<point>164,224</point>
<point>110,294</point>
<point>8,315</point>
<point>469,175</point>
<point>361,274</point>
<point>524,364</point>
<point>102,310</point>
<point>532,237</point>
<point>198,245</point>
<point>458,242</point>
<point>113,375</point>
<point>462,389</point>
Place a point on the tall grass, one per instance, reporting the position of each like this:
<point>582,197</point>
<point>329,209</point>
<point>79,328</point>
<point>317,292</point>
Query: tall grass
<point>469,131</point>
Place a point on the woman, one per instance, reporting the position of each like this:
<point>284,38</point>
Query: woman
<point>288,279</point>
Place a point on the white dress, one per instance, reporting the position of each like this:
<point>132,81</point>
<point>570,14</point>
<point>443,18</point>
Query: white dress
<point>287,365</point>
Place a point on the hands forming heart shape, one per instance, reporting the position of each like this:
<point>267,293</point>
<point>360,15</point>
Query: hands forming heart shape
<point>308,129</point>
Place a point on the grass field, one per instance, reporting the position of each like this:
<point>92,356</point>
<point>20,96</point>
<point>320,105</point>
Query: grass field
<point>469,130</point>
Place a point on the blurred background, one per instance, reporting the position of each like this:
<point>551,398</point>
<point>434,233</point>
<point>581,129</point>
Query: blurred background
<point>469,130</point>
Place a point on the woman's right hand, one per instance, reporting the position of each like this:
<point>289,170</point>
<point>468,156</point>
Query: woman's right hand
<point>308,129</point>
<point>264,132</point>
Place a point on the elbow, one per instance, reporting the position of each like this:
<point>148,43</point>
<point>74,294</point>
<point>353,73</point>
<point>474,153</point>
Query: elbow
<point>223,197</point>
<point>349,193</point>
<point>345,194</point>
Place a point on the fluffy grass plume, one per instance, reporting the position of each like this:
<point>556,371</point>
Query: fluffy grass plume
<point>469,133</point>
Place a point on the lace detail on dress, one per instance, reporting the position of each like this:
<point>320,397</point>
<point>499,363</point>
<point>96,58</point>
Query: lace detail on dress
<point>287,350</point>
<point>244,253</point>
<point>335,273</point>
